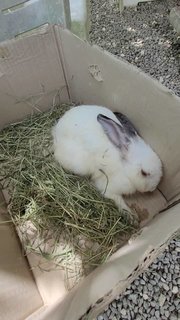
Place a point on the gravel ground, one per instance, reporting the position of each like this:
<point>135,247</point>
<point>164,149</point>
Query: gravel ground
<point>155,294</point>
<point>143,36</point>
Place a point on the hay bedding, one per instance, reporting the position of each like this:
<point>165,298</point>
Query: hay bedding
<point>58,215</point>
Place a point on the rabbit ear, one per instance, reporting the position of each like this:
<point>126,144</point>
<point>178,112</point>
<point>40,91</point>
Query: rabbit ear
<point>114,132</point>
<point>126,123</point>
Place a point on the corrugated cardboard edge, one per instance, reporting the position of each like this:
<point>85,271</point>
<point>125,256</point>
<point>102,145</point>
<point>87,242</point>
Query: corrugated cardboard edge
<point>96,291</point>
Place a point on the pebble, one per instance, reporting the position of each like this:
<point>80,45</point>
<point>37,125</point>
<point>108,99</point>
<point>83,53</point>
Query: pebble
<point>144,37</point>
<point>145,296</point>
<point>157,314</point>
<point>150,287</point>
<point>175,290</point>
<point>113,310</point>
<point>167,313</point>
<point>162,299</point>
<point>176,302</point>
<point>142,282</point>
<point>166,287</point>
<point>123,312</point>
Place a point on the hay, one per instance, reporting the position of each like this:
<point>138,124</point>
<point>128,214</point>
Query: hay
<point>50,204</point>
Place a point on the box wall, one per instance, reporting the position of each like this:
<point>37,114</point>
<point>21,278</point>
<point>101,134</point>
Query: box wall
<point>31,76</point>
<point>18,291</point>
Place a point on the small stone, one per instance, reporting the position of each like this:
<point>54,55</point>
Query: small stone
<point>119,305</point>
<point>165,276</point>
<point>166,287</point>
<point>133,297</point>
<point>136,309</point>
<point>167,313</point>
<point>150,287</point>
<point>142,282</point>
<point>125,304</point>
<point>127,292</point>
<point>156,297</point>
<point>123,312</point>
<point>132,314</point>
<point>175,18</point>
<point>174,256</point>
<point>114,310</point>
<point>136,282</point>
<point>157,314</point>
<point>162,299</point>
<point>169,276</point>
<point>157,306</point>
<point>103,29</point>
<point>157,289</point>
<point>145,296</point>
<point>172,308</point>
<point>146,304</point>
<point>172,266</point>
<point>152,312</point>
<point>153,282</point>
<point>176,302</point>
<point>175,290</point>
<point>108,313</point>
<point>176,268</point>
<point>161,311</point>
<point>100,317</point>
<point>153,304</point>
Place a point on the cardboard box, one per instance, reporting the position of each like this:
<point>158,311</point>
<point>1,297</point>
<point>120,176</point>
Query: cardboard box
<point>32,70</point>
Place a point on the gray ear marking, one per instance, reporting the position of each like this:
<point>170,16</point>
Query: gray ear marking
<point>115,132</point>
<point>127,124</point>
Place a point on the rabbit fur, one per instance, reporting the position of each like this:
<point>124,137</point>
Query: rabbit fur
<point>93,141</point>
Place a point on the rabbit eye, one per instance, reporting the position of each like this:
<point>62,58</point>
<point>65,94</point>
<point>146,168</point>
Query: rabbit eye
<point>144,173</point>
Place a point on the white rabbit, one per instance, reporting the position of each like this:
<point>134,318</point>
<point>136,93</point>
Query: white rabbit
<point>92,140</point>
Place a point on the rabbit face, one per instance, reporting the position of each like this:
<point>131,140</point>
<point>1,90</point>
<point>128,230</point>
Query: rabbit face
<point>140,163</point>
<point>142,166</point>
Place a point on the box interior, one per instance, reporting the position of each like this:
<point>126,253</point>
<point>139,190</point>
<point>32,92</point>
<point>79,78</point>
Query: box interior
<point>55,66</point>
